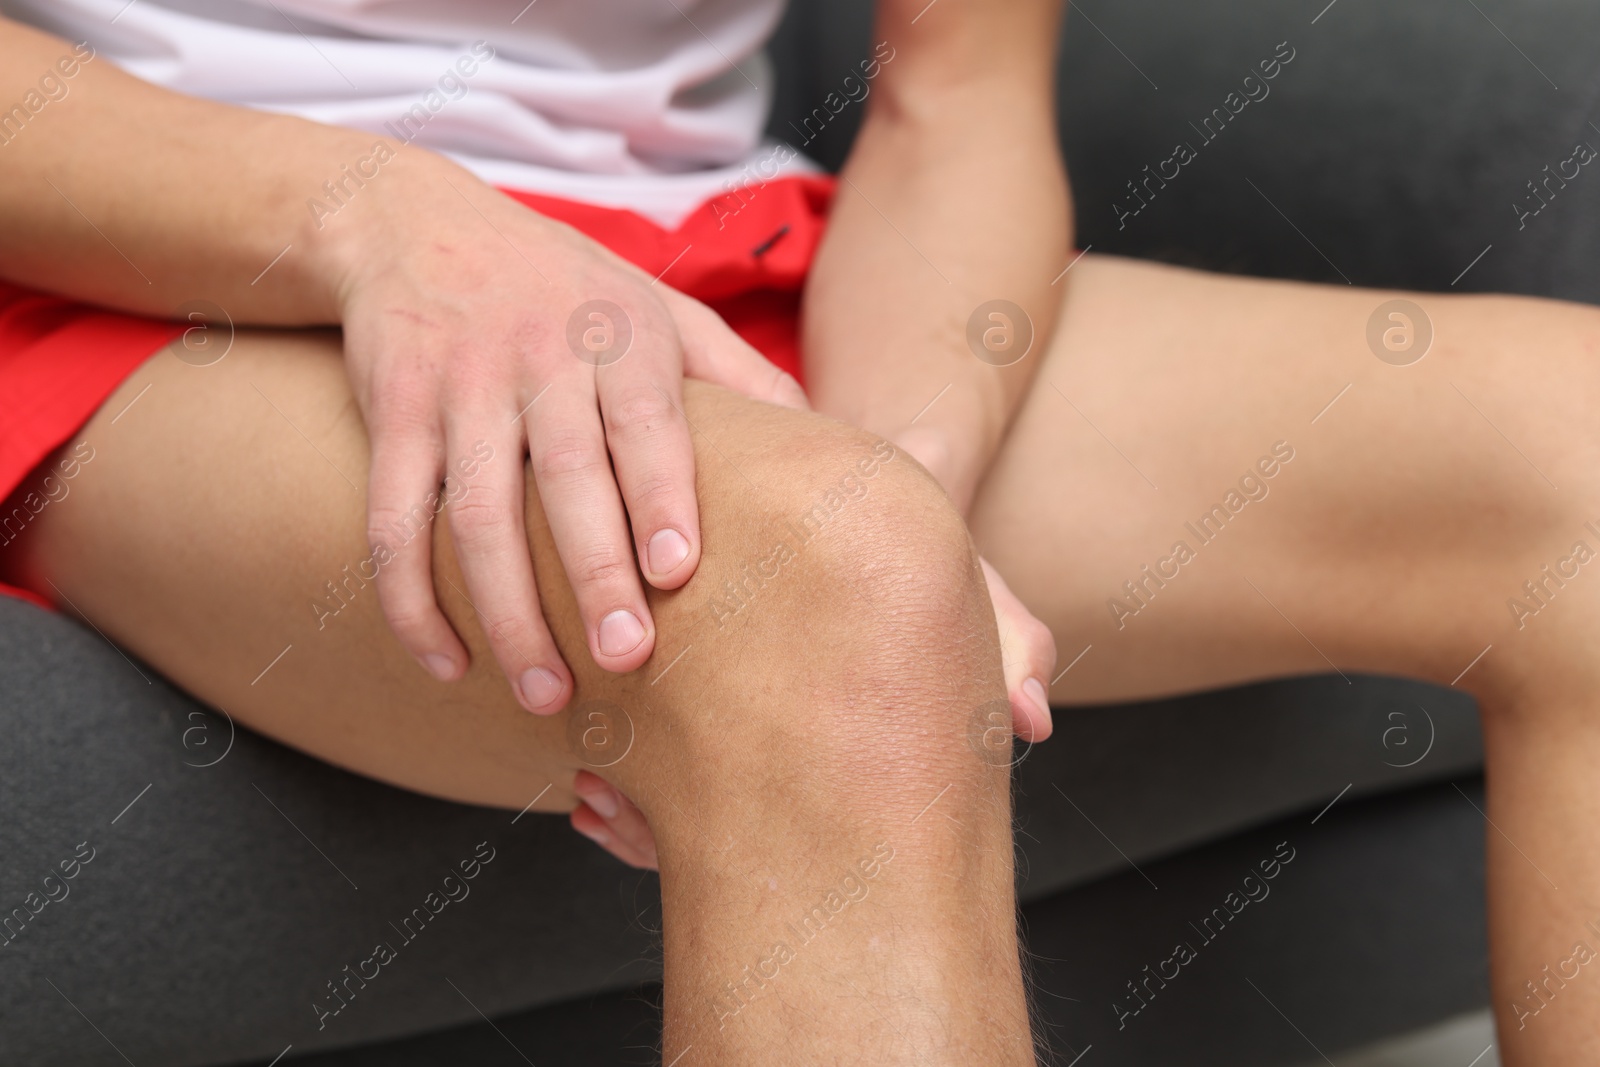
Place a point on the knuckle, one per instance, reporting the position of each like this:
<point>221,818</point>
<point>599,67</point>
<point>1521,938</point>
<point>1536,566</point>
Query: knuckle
<point>510,632</point>
<point>394,527</point>
<point>601,568</point>
<point>482,522</point>
<point>569,455</point>
<point>1041,642</point>
<point>378,524</point>
<point>655,491</point>
<point>381,516</point>
<point>640,412</point>
<point>400,407</point>
<point>411,619</point>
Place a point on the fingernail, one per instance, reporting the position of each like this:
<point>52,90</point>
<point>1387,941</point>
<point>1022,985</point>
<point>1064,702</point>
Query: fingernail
<point>620,633</point>
<point>1035,692</point>
<point>599,837</point>
<point>439,665</point>
<point>539,687</point>
<point>603,801</point>
<point>667,549</point>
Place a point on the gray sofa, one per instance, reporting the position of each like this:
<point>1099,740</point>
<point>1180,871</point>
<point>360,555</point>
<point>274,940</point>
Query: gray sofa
<point>208,921</point>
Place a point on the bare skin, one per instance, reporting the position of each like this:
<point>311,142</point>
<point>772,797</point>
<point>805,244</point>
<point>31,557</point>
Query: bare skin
<point>1416,505</point>
<point>451,300</point>
<point>457,304</point>
<point>1390,542</point>
<point>1413,506</point>
<point>772,780</point>
<point>454,302</point>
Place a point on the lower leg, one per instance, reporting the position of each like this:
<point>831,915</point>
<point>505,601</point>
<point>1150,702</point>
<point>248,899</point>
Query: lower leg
<point>828,792</point>
<point>1338,511</point>
<point>1544,876</point>
<point>837,873</point>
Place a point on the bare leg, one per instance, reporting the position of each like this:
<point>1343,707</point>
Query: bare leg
<point>815,755</point>
<point>1418,501</point>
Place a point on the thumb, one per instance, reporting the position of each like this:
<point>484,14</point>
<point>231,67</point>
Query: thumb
<point>714,353</point>
<point>1028,653</point>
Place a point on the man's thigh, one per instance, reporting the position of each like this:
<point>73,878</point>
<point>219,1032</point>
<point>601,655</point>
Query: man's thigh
<point>218,534</point>
<point>1219,479</point>
<point>837,619</point>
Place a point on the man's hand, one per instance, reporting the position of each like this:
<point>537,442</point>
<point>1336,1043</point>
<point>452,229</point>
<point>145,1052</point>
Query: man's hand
<point>1029,653</point>
<point>478,332</point>
<point>954,195</point>
<point>611,821</point>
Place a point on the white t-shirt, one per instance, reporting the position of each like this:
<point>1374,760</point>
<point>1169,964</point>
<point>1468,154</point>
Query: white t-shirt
<point>653,105</point>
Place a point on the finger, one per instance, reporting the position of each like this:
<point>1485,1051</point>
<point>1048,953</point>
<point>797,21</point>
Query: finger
<point>484,490</point>
<point>1028,653</point>
<point>712,352</point>
<point>651,451</point>
<point>584,508</point>
<point>403,499</point>
<point>623,819</point>
<point>588,823</point>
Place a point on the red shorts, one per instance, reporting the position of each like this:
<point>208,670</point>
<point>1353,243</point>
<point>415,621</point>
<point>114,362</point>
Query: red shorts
<point>745,255</point>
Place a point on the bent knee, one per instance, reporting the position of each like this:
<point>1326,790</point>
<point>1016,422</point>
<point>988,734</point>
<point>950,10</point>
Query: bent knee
<point>820,532</point>
<point>838,607</point>
<point>844,514</point>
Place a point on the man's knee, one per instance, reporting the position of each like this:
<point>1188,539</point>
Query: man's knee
<point>837,629</point>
